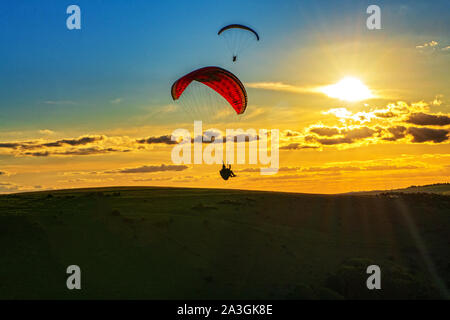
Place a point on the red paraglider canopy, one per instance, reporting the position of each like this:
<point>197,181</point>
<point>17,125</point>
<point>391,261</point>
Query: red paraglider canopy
<point>220,80</point>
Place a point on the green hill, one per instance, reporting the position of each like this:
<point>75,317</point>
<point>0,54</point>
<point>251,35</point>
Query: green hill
<point>438,188</point>
<point>171,243</point>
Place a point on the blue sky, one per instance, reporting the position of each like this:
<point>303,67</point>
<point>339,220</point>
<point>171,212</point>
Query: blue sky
<point>133,50</point>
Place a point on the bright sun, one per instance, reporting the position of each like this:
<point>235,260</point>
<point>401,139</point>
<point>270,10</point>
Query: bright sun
<point>348,89</point>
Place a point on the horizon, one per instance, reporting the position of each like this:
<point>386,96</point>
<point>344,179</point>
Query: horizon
<point>350,193</point>
<point>357,109</point>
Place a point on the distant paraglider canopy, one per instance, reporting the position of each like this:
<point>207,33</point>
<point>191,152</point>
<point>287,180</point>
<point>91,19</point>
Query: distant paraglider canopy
<point>238,26</point>
<point>238,38</point>
<point>221,81</point>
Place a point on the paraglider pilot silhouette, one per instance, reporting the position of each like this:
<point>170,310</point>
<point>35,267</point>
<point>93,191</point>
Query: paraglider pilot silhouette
<point>238,37</point>
<point>226,172</point>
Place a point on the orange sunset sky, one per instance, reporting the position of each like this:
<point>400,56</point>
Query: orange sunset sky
<point>356,109</point>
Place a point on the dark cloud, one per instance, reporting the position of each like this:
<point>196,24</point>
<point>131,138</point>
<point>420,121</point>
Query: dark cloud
<point>2,173</point>
<point>208,138</point>
<point>146,169</point>
<point>289,133</point>
<point>89,151</point>
<point>428,135</point>
<point>325,131</point>
<point>329,142</point>
<point>37,154</point>
<point>28,145</point>
<point>359,133</point>
<point>424,119</point>
<point>9,145</point>
<point>73,142</point>
<point>297,146</point>
<point>161,139</point>
<point>75,152</point>
<point>348,136</point>
<point>397,132</point>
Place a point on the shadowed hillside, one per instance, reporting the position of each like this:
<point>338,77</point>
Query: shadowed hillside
<point>170,243</point>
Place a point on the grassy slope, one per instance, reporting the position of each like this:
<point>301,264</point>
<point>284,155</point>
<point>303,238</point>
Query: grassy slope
<point>438,188</point>
<point>167,243</point>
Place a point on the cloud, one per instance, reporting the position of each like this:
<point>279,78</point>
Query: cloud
<point>36,145</point>
<point>428,135</point>
<point>433,47</point>
<point>74,142</point>
<point>147,169</point>
<point>59,102</point>
<point>358,133</point>
<point>381,125</point>
<point>432,43</point>
<point>10,145</point>
<point>397,132</point>
<point>387,114</point>
<point>348,136</point>
<point>8,187</point>
<point>76,152</point>
<point>280,169</point>
<point>37,154</point>
<point>345,115</point>
<point>161,139</point>
<point>376,134</point>
<point>46,132</point>
<point>211,136</point>
<point>437,101</point>
<point>242,136</point>
<point>423,119</point>
<point>330,142</point>
<point>208,136</point>
<point>324,131</point>
<point>380,167</point>
<point>154,179</point>
<point>2,173</point>
<point>116,101</point>
<point>278,86</point>
<point>290,133</point>
<point>186,179</point>
<point>297,146</point>
<point>85,145</point>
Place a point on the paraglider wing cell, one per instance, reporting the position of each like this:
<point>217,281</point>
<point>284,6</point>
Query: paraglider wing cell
<point>220,80</point>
